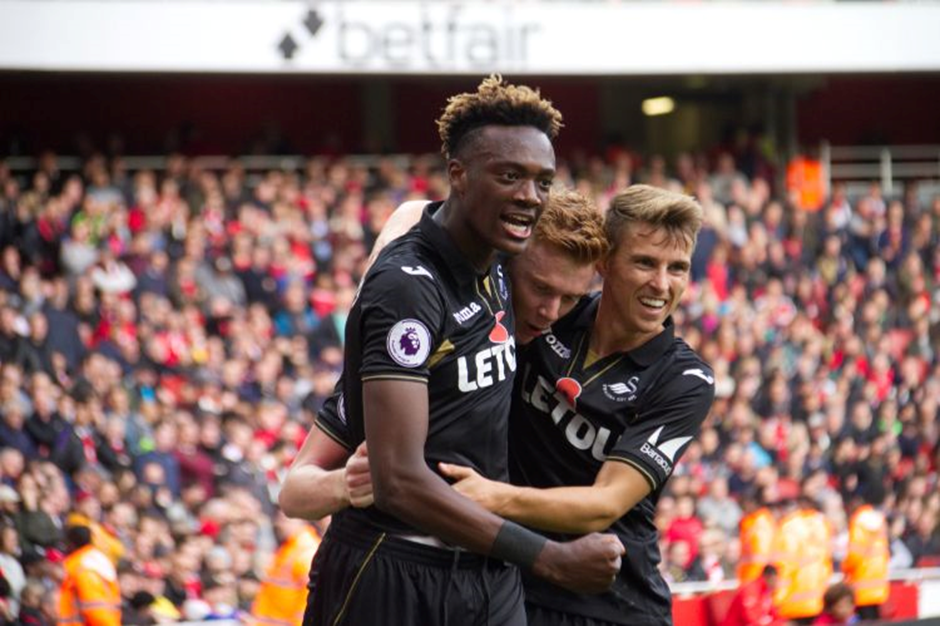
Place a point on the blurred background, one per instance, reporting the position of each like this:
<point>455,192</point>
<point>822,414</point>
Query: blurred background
<point>188,191</point>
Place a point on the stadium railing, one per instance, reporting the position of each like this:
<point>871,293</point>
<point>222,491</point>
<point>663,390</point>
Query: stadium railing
<point>915,595</point>
<point>892,166</point>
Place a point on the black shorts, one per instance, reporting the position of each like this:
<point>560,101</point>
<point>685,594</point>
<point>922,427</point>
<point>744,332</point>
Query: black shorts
<point>361,577</point>
<point>544,616</point>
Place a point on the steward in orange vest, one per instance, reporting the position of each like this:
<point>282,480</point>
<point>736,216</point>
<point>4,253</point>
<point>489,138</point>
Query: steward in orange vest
<point>89,594</point>
<point>757,530</point>
<point>804,560</point>
<point>282,598</point>
<point>806,183</point>
<point>866,564</point>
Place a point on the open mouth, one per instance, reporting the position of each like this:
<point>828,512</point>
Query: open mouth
<point>519,226</point>
<point>653,303</point>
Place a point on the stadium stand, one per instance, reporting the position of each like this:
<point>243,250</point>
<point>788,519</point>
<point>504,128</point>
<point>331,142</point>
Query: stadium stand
<point>167,335</point>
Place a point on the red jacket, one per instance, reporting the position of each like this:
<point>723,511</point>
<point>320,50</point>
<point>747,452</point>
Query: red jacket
<point>753,605</point>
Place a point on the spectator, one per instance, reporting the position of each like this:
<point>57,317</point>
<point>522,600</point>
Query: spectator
<point>10,567</point>
<point>752,604</point>
<point>12,433</point>
<point>820,328</point>
<point>89,592</point>
<point>839,606</point>
<point>717,508</point>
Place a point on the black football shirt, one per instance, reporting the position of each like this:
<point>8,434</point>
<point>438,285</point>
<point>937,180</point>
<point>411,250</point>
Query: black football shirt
<point>424,314</point>
<point>568,418</point>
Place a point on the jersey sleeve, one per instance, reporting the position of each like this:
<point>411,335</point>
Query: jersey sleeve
<point>670,418</point>
<point>401,320</point>
<point>331,418</point>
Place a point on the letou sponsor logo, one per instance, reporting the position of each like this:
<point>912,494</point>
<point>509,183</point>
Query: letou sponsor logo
<point>432,36</point>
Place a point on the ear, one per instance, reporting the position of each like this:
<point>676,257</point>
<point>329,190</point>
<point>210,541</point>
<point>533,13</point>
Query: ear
<point>603,264</point>
<point>457,176</point>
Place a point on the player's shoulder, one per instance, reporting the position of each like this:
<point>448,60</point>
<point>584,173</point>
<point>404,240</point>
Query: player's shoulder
<point>406,263</point>
<point>686,369</point>
<point>580,317</point>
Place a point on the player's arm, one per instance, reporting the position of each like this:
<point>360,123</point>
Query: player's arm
<point>396,421</point>
<point>325,477</point>
<point>641,461</point>
<point>399,222</point>
<point>574,510</point>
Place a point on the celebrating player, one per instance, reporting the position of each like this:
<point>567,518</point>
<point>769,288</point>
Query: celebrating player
<point>430,358</point>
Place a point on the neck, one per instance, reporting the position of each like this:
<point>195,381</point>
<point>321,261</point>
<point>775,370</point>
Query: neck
<point>610,334</point>
<point>475,251</point>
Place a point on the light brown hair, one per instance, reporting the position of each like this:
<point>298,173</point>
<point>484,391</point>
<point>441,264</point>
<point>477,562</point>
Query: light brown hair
<point>679,215</point>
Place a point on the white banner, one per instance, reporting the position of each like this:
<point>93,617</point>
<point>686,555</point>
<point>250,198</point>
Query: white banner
<point>557,38</point>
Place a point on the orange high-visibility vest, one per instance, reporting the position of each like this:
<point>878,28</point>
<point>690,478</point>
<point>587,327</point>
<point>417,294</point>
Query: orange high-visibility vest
<point>805,176</point>
<point>101,538</point>
<point>804,563</point>
<point>757,544</point>
<point>866,564</point>
<point>89,594</point>
<point>282,598</point>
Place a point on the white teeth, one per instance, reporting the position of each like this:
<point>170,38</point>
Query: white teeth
<point>653,302</point>
<point>518,230</point>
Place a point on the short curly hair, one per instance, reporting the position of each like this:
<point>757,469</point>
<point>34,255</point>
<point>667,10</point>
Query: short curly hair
<point>573,224</point>
<point>495,102</point>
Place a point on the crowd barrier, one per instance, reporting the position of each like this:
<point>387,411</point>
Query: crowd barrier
<point>915,595</point>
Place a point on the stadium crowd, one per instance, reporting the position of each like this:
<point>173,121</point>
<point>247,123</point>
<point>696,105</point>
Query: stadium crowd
<point>166,339</point>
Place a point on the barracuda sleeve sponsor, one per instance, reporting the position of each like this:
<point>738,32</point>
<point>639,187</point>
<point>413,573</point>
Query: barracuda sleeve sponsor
<point>668,420</point>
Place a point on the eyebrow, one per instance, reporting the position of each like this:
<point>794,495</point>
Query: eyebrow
<point>521,166</point>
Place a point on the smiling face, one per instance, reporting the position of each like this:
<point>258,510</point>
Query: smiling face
<point>501,178</point>
<point>546,283</point>
<point>644,279</point>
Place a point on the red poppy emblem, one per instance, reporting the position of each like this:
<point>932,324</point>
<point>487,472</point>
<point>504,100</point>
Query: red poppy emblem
<point>570,389</point>
<point>499,334</point>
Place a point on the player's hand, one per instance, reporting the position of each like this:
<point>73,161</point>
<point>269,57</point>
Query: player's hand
<point>358,478</point>
<point>589,564</point>
<point>469,483</point>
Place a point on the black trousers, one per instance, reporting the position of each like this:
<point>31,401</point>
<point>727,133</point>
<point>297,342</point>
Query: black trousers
<point>361,577</point>
<point>543,616</point>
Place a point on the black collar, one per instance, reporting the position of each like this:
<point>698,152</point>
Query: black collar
<point>451,256</point>
<point>646,354</point>
<point>655,348</point>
